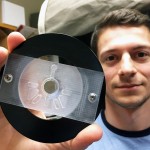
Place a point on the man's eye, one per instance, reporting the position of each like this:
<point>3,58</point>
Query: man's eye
<point>141,54</point>
<point>111,58</point>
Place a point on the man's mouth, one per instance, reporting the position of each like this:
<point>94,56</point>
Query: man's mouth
<point>129,86</point>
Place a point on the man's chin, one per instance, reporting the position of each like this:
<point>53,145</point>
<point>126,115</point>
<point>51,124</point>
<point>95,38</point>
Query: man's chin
<point>133,105</point>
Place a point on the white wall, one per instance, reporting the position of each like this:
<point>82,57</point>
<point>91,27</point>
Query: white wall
<point>31,6</point>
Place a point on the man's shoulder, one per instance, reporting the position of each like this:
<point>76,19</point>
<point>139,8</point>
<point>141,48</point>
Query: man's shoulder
<point>115,140</point>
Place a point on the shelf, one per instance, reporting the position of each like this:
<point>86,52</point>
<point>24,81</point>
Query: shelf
<point>5,29</point>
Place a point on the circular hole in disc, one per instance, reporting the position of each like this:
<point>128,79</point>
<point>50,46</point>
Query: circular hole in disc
<point>50,86</point>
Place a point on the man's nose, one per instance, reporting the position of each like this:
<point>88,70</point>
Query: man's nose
<point>127,66</point>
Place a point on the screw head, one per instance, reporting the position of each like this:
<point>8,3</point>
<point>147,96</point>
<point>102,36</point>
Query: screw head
<point>92,97</point>
<point>8,78</point>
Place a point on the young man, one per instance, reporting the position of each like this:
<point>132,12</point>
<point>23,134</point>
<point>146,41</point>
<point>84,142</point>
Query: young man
<point>122,44</point>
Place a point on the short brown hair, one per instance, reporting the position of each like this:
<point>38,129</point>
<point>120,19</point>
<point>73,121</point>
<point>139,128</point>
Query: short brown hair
<point>121,17</point>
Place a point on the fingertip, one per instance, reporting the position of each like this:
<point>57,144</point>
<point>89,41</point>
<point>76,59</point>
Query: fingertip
<point>3,55</point>
<point>87,136</point>
<point>14,39</point>
<point>3,50</point>
<point>94,132</point>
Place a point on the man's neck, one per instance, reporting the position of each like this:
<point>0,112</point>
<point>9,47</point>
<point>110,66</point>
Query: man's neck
<point>128,119</point>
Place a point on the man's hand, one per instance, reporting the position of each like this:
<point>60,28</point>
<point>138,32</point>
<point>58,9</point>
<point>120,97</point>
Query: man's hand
<point>13,40</point>
<point>12,140</point>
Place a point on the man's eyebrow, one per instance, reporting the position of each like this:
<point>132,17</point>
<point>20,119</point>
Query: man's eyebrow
<point>132,48</point>
<point>141,46</point>
<point>108,51</point>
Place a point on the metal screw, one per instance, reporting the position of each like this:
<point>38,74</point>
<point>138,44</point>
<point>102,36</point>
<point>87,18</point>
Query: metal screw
<point>92,97</point>
<point>8,78</point>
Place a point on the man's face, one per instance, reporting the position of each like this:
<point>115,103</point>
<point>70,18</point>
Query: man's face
<point>124,53</point>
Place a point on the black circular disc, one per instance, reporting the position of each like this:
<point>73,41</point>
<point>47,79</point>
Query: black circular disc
<point>52,131</point>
